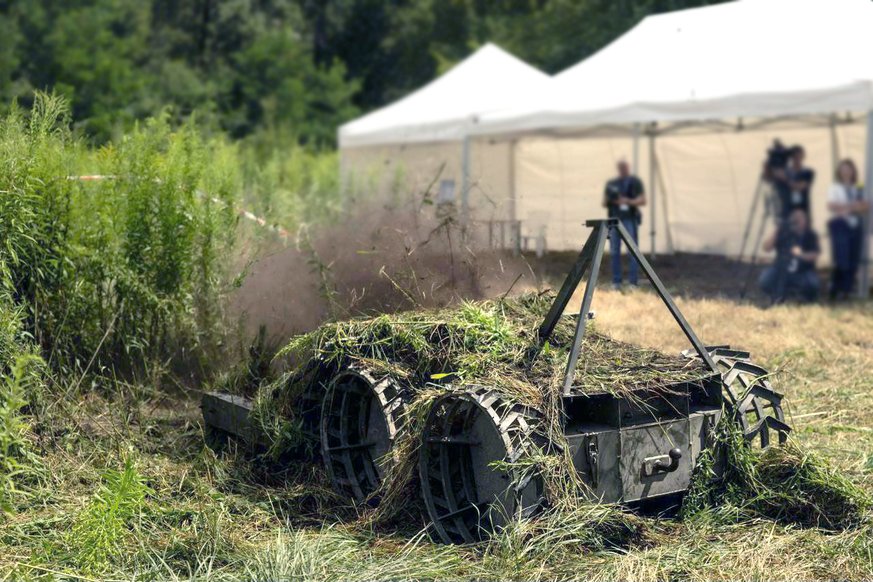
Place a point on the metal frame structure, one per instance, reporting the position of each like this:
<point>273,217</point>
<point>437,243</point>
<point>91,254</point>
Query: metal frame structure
<point>589,260</point>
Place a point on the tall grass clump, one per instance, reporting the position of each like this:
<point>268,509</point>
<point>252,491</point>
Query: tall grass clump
<point>21,378</point>
<point>36,155</point>
<point>162,244</point>
<point>289,184</point>
<point>20,466</point>
<point>126,271</point>
<point>100,530</point>
<point>785,483</point>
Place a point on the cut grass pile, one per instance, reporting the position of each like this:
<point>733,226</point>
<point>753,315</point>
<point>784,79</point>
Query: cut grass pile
<point>784,483</point>
<point>491,343</point>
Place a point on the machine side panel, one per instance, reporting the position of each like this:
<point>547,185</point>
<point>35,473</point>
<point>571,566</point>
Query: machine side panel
<point>643,448</point>
<point>230,413</point>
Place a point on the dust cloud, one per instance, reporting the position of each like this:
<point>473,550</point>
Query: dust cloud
<point>374,260</point>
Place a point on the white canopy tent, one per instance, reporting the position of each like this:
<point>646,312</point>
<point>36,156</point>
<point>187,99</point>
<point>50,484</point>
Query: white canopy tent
<point>743,62</point>
<point>445,109</point>
<point>422,141</point>
<point>747,58</point>
<point>708,87</point>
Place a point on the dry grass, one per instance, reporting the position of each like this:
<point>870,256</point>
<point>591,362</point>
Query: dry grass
<point>209,517</point>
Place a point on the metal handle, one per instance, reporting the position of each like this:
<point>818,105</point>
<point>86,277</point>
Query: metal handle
<point>660,466</point>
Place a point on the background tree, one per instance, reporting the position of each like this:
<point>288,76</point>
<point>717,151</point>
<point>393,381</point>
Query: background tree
<point>299,67</point>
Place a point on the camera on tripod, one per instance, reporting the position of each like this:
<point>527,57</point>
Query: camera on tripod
<point>777,158</point>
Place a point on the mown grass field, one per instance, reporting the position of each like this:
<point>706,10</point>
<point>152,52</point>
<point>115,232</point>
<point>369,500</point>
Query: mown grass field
<point>114,316</point>
<point>130,491</point>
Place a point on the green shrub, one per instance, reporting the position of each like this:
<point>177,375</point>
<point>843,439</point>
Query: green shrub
<point>126,271</point>
<point>100,529</point>
<point>289,184</point>
<point>21,376</point>
<point>19,465</point>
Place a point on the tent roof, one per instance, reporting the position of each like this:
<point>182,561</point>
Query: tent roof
<point>490,79</point>
<point>750,58</point>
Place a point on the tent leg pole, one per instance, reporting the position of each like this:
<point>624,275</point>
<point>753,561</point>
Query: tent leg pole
<point>653,189</point>
<point>513,204</point>
<point>513,210</point>
<point>465,186</point>
<point>636,147</point>
<point>864,286</point>
<point>835,147</point>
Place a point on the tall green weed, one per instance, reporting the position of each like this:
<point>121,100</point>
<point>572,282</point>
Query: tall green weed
<point>289,184</point>
<point>21,377</point>
<point>100,530</point>
<point>127,271</point>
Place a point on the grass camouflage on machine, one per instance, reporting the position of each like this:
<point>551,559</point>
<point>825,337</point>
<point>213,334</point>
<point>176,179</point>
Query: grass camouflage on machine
<point>493,410</point>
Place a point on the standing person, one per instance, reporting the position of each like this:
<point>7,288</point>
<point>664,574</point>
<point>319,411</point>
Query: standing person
<point>793,271</point>
<point>848,208</point>
<point>623,197</point>
<point>799,179</point>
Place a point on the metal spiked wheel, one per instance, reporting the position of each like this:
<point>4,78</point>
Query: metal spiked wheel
<point>310,402</point>
<point>361,416</point>
<point>755,405</point>
<point>466,494</point>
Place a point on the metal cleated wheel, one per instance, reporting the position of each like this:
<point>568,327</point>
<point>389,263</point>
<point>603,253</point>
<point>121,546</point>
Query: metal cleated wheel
<point>467,492</point>
<point>755,405</point>
<point>360,419</point>
<point>310,401</point>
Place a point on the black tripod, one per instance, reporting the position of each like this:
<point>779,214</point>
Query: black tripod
<point>766,203</point>
<point>589,261</point>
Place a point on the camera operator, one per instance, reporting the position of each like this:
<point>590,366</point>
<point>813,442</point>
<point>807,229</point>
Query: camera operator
<point>790,179</point>
<point>799,179</point>
<point>623,197</point>
<point>797,249</point>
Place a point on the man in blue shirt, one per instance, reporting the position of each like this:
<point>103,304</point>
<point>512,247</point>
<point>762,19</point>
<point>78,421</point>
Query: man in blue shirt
<point>623,197</point>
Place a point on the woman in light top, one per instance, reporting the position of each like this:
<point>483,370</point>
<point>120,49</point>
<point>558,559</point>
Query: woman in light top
<point>848,207</point>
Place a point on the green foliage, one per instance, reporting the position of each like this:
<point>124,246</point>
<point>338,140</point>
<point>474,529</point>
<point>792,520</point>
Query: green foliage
<point>97,50</point>
<point>34,210</point>
<point>289,184</point>
<point>123,272</point>
<point>296,66</point>
<point>100,529</point>
<point>162,242</point>
<point>785,483</point>
<point>244,66</point>
<point>284,91</point>
<point>18,463</point>
<point>21,387</point>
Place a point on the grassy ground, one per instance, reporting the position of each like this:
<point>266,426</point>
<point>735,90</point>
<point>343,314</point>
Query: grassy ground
<point>128,491</point>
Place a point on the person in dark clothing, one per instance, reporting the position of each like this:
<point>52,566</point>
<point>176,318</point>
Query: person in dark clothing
<point>792,183</point>
<point>846,227</point>
<point>623,197</point>
<point>797,249</point>
<point>799,179</point>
